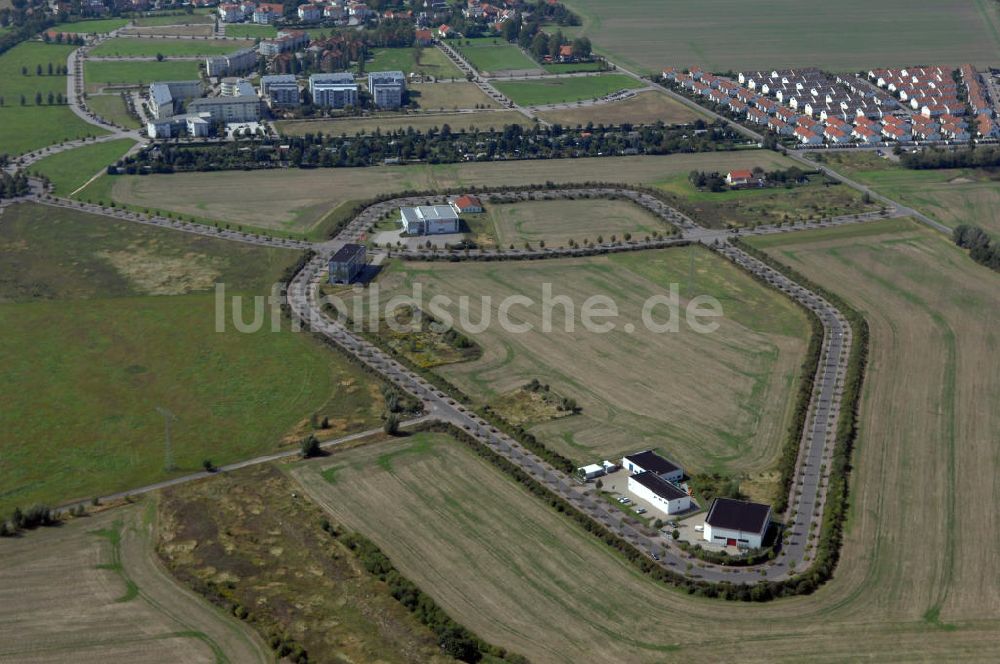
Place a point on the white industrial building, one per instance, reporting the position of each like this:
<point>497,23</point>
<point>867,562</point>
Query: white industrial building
<point>658,492</point>
<point>650,461</point>
<point>737,523</point>
<point>429,220</point>
<point>591,471</point>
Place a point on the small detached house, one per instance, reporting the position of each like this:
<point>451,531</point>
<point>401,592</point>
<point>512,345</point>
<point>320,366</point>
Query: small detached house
<point>739,178</point>
<point>467,204</point>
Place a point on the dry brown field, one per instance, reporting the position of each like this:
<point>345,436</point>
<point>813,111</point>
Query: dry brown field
<point>299,199</point>
<point>645,107</point>
<point>557,222</point>
<point>446,96</point>
<point>418,121</point>
<point>713,402</point>
<point>93,591</point>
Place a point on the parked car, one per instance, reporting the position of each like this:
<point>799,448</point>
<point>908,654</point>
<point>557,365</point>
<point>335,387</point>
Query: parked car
<point>640,510</point>
<point>699,529</point>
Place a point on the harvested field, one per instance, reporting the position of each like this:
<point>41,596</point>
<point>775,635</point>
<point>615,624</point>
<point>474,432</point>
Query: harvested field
<point>722,35</point>
<point>198,17</point>
<point>250,540</point>
<point>298,200</point>
<point>560,221</point>
<point>444,96</point>
<point>104,321</point>
<point>527,578</point>
<point>646,107</point>
<point>419,122</point>
<point>715,402</point>
<point>92,591</point>
<point>543,91</point>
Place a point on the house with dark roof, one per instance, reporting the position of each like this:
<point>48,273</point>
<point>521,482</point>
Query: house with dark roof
<point>649,460</point>
<point>658,492</point>
<point>737,523</point>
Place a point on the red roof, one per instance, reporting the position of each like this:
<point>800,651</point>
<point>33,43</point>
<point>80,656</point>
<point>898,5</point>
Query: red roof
<point>740,175</point>
<point>566,50</point>
<point>467,201</point>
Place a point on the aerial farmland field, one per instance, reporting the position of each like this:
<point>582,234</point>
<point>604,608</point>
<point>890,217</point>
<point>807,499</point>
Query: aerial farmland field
<point>564,90</point>
<point>92,591</point>
<point>952,196</point>
<point>646,107</point>
<point>419,122</point>
<point>105,321</point>
<point>722,35</point>
<point>524,577</point>
<point>298,201</point>
<point>714,402</point>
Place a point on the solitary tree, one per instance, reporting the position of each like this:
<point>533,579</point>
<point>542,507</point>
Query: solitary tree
<point>391,425</point>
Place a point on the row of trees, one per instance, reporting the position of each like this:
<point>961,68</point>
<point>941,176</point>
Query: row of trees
<point>35,517</point>
<point>434,146</point>
<point>12,186</point>
<point>52,70</point>
<point>984,156</point>
<point>982,248</point>
<point>52,98</point>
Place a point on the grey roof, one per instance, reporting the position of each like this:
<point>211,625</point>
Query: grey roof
<point>659,486</point>
<point>218,101</point>
<point>386,77</point>
<point>339,78</point>
<point>650,460</point>
<point>272,79</point>
<point>738,515</point>
<point>159,93</point>
<point>347,252</point>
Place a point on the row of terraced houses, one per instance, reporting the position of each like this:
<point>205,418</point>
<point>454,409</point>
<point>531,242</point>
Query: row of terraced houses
<point>813,108</point>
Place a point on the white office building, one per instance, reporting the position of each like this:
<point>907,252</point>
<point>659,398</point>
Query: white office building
<point>333,90</point>
<point>429,220</point>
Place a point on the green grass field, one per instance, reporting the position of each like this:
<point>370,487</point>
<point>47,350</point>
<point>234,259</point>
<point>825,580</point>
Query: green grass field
<point>715,402</point>
<point>432,62</point>
<point>565,90</point>
<point>647,107</point>
<point>106,320</point>
<point>491,54</point>
<point>571,67</point>
<point>112,108</point>
<point>742,207</point>
<point>96,26</point>
<point>167,47</point>
<point>647,35</point>
<point>951,196</point>
<point>28,127</point>
<point>251,31</point>
<point>100,73</point>
<point>70,170</point>
<point>197,18</point>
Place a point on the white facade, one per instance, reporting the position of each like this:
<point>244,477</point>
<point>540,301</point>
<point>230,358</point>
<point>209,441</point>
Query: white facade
<point>429,220</point>
<point>650,461</point>
<point>591,471</point>
<point>730,537</point>
<point>671,502</point>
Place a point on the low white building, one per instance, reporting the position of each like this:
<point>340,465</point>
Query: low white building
<point>591,471</point>
<point>658,492</point>
<point>429,220</point>
<point>649,460</point>
<point>737,523</point>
